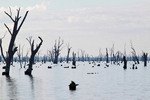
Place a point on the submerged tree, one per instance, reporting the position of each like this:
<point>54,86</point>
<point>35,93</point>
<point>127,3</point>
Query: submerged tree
<point>25,59</point>
<point>145,58</point>
<point>33,53</point>
<point>20,56</point>
<point>135,57</point>
<point>74,59</point>
<point>13,33</point>
<point>112,55</point>
<point>57,48</point>
<point>125,62</point>
<point>68,48</point>
<point>51,54</point>
<point>107,58</point>
<point>82,55</point>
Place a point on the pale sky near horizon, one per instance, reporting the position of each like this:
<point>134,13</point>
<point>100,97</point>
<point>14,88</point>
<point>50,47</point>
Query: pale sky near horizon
<point>67,4</point>
<point>85,24</point>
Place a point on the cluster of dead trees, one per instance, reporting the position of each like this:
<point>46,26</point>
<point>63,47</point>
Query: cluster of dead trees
<point>54,54</point>
<point>12,49</point>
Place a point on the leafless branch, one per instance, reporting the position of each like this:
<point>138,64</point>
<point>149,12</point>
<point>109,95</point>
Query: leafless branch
<point>10,11</point>
<point>8,29</point>
<point>9,16</point>
<point>22,21</point>
<point>29,40</point>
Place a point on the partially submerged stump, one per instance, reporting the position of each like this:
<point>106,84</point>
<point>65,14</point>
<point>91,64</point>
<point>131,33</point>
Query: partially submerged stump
<point>133,66</point>
<point>66,67</point>
<point>49,67</point>
<point>4,67</point>
<point>125,62</point>
<point>74,67</point>
<point>73,85</point>
<point>28,72</point>
<point>98,65</point>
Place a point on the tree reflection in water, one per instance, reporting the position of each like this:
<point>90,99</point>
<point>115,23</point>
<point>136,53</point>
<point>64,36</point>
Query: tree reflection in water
<point>32,85</point>
<point>11,89</point>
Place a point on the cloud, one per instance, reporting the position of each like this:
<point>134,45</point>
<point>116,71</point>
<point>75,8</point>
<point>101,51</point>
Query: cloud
<point>96,26</point>
<point>90,28</point>
<point>40,7</point>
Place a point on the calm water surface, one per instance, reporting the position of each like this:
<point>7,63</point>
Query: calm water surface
<point>98,83</point>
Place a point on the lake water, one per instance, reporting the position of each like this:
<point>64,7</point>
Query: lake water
<point>95,83</point>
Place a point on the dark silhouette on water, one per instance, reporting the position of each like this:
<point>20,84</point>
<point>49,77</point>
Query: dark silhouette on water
<point>33,53</point>
<point>145,58</point>
<point>12,88</point>
<point>73,85</point>
<point>13,33</point>
<point>133,66</point>
<point>134,55</point>
<point>98,65</point>
<point>68,48</point>
<point>49,67</point>
<point>74,59</point>
<point>125,62</point>
<point>107,58</point>
<point>57,48</point>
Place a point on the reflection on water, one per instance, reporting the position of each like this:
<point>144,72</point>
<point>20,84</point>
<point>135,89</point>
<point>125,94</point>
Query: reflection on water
<point>11,89</point>
<point>112,83</point>
<point>32,84</point>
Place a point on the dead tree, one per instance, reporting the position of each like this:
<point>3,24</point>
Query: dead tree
<point>25,59</point>
<point>13,33</point>
<point>57,49</point>
<point>107,58</point>
<point>135,58</point>
<point>19,56</point>
<point>78,56</point>
<point>51,54</point>
<point>74,59</point>
<point>124,58</point>
<point>112,54</point>
<point>100,55</point>
<point>145,58</point>
<point>125,62</point>
<point>33,53</point>
<point>68,48</point>
<point>82,55</point>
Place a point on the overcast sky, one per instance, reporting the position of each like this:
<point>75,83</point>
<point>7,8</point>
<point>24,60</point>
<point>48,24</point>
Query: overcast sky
<point>85,24</point>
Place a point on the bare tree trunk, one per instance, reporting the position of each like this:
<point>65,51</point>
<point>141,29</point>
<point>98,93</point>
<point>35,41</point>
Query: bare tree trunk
<point>26,59</point>
<point>19,56</point>
<point>82,55</point>
<point>125,62</point>
<point>107,58</point>
<point>57,49</point>
<point>51,54</point>
<point>12,48</point>
<point>33,53</point>
<point>135,58</point>
<point>74,59</point>
<point>112,54</point>
<point>68,48</point>
<point>145,58</point>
